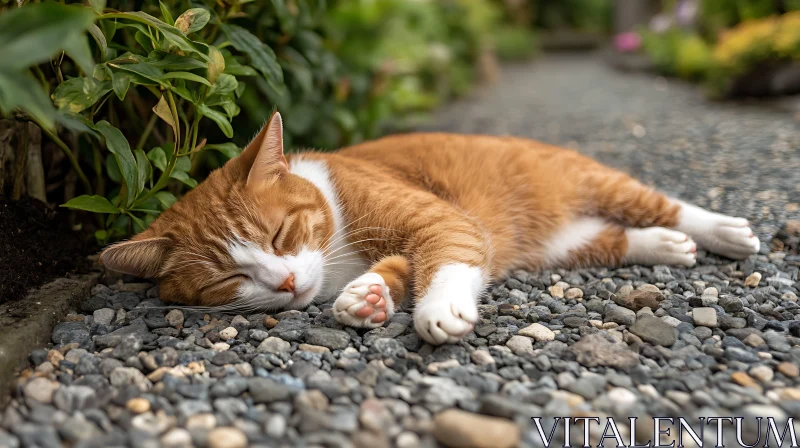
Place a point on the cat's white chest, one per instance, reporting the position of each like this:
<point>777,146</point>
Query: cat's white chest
<point>342,263</point>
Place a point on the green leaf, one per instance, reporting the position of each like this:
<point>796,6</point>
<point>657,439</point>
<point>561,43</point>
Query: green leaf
<point>166,199</point>
<point>120,82</point>
<point>22,91</point>
<point>217,117</point>
<point>230,150</point>
<point>233,67</point>
<point>142,69</point>
<point>100,38</point>
<point>184,93</point>
<point>169,61</point>
<point>77,48</point>
<point>138,224</point>
<point>183,163</point>
<point>144,169</point>
<point>192,20</point>
<point>231,108</point>
<point>112,169</point>
<point>98,5</point>
<point>77,94</point>
<point>261,56</point>
<point>32,34</point>
<point>187,76</point>
<point>172,34</point>
<point>183,176</point>
<point>225,84</point>
<point>165,12</point>
<point>96,204</point>
<point>118,145</point>
<point>144,40</point>
<point>158,157</point>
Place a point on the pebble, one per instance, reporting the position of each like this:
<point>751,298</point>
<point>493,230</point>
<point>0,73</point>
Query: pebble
<point>538,332</point>
<point>456,428</point>
<point>594,350</point>
<point>138,405</point>
<point>177,438</point>
<point>788,369</point>
<point>639,299</point>
<point>482,357</point>
<point>754,340</point>
<point>743,379</point>
<point>620,315</point>
<point>520,345</point>
<point>705,316</point>
<point>573,293</point>
<point>654,331</point>
<point>762,373</point>
<point>227,437</point>
<point>104,316</point>
<point>752,280</point>
<point>274,345</point>
<point>174,318</point>
<point>41,390</point>
<point>228,333</point>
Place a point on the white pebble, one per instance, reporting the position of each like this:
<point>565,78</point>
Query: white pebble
<point>228,333</point>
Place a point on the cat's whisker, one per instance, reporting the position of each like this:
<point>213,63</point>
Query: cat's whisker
<point>327,246</point>
<point>347,254</point>
<point>352,244</point>
<point>353,222</point>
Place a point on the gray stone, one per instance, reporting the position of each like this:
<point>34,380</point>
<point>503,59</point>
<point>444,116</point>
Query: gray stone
<point>654,331</point>
<point>620,315</point>
<point>327,337</point>
<point>594,350</point>
<point>104,316</point>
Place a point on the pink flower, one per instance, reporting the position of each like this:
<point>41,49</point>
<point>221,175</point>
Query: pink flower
<point>627,42</point>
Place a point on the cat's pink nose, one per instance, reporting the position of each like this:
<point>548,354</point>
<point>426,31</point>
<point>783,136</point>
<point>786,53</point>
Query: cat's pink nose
<point>288,284</point>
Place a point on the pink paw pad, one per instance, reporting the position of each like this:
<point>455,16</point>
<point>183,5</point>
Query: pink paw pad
<point>376,305</point>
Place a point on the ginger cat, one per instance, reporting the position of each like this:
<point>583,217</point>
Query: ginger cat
<point>435,217</point>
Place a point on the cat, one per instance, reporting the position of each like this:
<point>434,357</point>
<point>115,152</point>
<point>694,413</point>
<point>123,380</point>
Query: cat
<point>430,216</point>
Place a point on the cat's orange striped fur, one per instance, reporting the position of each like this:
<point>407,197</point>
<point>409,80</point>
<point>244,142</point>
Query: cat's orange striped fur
<point>430,216</point>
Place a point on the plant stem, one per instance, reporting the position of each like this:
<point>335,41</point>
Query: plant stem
<point>147,130</point>
<point>68,152</point>
<point>164,178</point>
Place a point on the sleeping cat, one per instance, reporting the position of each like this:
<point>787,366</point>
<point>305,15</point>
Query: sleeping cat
<point>435,217</point>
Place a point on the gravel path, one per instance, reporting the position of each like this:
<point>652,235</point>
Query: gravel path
<point>721,339</point>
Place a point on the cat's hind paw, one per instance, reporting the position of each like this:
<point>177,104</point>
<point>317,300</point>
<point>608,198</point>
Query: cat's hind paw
<point>365,302</point>
<point>441,320</point>
<point>657,245</point>
<point>732,238</point>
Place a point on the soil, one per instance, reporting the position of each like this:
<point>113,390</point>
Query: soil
<point>36,245</point>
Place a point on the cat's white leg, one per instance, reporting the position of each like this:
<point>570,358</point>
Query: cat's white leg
<point>721,234</point>
<point>658,245</point>
<point>449,308</point>
<point>366,302</point>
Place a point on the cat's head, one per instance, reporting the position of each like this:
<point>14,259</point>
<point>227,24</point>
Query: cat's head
<point>251,236</point>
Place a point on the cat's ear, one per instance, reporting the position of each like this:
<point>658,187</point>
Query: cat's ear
<point>141,257</point>
<point>265,152</point>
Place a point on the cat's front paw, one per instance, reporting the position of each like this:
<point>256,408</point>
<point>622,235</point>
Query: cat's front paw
<point>445,319</point>
<point>365,302</point>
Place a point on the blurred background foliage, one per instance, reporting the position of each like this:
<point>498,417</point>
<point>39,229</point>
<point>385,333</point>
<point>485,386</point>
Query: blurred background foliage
<point>733,47</point>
